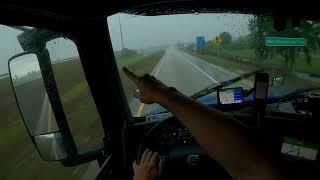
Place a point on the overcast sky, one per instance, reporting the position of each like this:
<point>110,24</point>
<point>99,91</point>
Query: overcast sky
<point>9,46</point>
<point>147,31</point>
<point>139,32</point>
<point>21,66</point>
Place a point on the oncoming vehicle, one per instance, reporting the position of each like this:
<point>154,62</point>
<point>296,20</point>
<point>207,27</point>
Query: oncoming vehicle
<point>62,86</point>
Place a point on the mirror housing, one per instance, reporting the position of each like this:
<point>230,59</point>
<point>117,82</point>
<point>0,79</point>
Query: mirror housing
<point>50,146</point>
<point>41,110</point>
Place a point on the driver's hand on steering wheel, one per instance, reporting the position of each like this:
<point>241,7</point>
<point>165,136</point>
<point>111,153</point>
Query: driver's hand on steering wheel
<point>150,166</point>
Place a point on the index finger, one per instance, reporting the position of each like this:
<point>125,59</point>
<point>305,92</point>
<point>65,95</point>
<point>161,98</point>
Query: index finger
<point>130,75</point>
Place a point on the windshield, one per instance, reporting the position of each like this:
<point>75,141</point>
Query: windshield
<point>193,51</point>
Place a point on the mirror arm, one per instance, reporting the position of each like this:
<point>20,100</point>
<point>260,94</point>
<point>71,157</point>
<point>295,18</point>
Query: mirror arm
<point>54,98</point>
<point>85,157</point>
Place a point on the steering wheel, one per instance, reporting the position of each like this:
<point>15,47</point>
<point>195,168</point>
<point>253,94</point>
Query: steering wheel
<point>182,160</point>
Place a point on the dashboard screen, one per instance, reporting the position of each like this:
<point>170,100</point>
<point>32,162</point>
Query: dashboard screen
<point>231,96</point>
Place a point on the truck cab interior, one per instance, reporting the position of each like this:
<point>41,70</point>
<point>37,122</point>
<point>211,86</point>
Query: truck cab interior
<point>258,65</point>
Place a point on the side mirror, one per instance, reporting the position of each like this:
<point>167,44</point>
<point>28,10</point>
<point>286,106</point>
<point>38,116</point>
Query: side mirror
<point>277,81</point>
<point>50,134</point>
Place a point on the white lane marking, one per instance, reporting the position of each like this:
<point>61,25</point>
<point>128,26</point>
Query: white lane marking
<point>55,150</point>
<point>20,163</point>
<point>75,171</point>
<point>49,117</point>
<point>92,171</point>
<point>40,126</point>
<point>212,79</point>
<point>140,109</point>
<point>163,59</point>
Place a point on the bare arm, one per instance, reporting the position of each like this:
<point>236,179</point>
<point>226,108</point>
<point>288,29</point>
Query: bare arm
<point>216,132</point>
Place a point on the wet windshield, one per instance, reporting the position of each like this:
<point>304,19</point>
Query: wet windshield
<point>193,51</point>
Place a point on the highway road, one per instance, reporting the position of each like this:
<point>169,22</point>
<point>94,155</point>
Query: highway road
<point>186,73</point>
<point>35,107</point>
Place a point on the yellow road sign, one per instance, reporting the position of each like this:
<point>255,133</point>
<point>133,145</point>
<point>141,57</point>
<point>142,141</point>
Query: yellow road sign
<point>217,40</point>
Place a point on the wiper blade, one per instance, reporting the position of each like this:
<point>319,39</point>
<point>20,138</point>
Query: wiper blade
<point>298,92</point>
<point>213,88</point>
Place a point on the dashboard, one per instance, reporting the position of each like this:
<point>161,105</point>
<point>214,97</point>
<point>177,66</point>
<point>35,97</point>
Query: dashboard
<point>299,111</point>
<point>174,135</point>
<point>288,131</point>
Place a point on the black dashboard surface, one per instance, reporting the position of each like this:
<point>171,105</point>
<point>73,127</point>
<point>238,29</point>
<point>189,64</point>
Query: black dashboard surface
<point>295,117</point>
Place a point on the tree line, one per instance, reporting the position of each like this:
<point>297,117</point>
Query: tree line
<point>262,26</point>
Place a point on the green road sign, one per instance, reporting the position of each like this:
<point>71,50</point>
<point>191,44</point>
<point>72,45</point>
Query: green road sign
<point>283,41</point>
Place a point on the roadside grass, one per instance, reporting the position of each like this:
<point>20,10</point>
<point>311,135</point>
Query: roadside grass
<point>292,82</point>
<point>20,159</point>
<point>230,65</point>
<point>301,64</point>
<point>8,106</point>
<point>243,53</point>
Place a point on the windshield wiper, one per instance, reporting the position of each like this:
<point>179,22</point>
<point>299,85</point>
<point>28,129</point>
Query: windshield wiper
<point>298,92</point>
<point>214,87</point>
